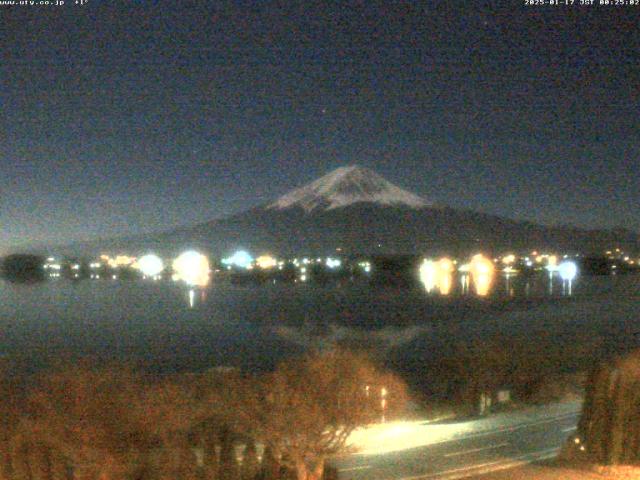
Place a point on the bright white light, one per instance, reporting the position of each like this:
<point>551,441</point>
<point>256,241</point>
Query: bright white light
<point>192,268</point>
<point>381,438</point>
<point>568,270</point>
<point>464,268</point>
<point>428,274</point>
<point>240,259</point>
<point>333,262</point>
<point>437,275</point>
<point>150,265</point>
<point>509,259</point>
<point>446,265</point>
<point>482,272</point>
<point>266,262</point>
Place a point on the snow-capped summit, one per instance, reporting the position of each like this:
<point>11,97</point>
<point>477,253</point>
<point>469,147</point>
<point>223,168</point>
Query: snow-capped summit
<point>346,186</point>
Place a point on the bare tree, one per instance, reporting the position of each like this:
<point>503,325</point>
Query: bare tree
<point>610,424</point>
<point>306,409</point>
<point>269,467</point>
<point>85,416</point>
<point>167,412</point>
<point>11,399</point>
<point>249,461</point>
<point>228,468</point>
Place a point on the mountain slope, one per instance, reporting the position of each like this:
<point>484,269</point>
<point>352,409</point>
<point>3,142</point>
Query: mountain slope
<point>356,210</point>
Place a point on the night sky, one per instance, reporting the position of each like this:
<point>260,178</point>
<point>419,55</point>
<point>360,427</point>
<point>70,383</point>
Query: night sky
<point>128,116</point>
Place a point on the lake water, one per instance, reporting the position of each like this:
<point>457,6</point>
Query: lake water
<point>165,326</point>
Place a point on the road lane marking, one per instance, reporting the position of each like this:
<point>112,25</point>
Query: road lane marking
<point>497,466</point>
<point>570,429</point>
<point>473,450</point>
<point>352,469</point>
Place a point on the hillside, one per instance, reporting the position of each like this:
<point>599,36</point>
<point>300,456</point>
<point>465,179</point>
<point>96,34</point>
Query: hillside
<point>357,211</point>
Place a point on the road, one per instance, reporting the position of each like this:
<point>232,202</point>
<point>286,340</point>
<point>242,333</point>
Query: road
<point>415,451</point>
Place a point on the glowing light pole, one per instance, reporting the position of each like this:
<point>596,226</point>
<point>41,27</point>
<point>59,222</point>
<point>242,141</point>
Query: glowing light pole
<point>482,271</point>
<point>383,402</point>
<point>445,275</point>
<point>428,275</point>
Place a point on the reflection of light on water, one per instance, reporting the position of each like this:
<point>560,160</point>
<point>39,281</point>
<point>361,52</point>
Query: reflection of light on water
<point>196,297</point>
<point>464,283</point>
<point>567,287</point>
<point>445,277</point>
<point>508,284</point>
<point>437,275</point>
<point>482,272</point>
<point>445,283</point>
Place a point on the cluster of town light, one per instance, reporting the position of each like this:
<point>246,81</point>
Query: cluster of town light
<point>119,261</point>
<point>620,256</point>
<point>193,268</point>
<point>333,262</point>
<point>480,271</point>
<point>266,262</point>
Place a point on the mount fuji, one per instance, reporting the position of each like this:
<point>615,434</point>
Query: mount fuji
<point>348,186</point>
<point>355,210</point>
